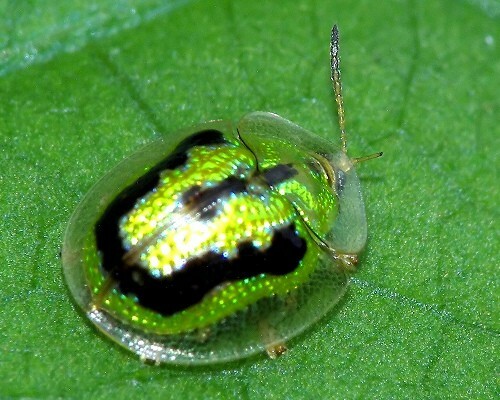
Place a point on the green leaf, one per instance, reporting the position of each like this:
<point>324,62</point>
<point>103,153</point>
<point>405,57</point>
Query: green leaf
<point>84,83</point>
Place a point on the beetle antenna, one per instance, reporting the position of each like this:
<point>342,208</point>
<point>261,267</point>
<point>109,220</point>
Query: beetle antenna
<point>357,160</point>
<point>337,84</point>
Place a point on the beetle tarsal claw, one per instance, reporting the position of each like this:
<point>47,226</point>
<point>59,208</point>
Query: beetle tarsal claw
<point>274,346</point>
<point>276,350</point>
<point>348,261</point>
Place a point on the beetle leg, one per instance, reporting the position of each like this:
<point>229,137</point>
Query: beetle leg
<point>274,347</point>
<point>348,261</point>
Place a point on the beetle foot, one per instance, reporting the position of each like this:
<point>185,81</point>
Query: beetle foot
<point>348,261</point>
<point>274,347</point>
<point>276,350</point>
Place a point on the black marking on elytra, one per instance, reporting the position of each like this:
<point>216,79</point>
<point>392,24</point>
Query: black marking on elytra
<point>279,173</point>
<point>178,157</point>
<point>188,285</point>
<point>107,227</point>
<point>191,195</point>
<point>205,204</point>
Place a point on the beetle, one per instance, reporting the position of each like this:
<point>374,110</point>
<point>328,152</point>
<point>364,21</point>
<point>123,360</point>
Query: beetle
<point>229,242</point>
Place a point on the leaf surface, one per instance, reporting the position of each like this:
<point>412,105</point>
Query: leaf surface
<point>83,84</point>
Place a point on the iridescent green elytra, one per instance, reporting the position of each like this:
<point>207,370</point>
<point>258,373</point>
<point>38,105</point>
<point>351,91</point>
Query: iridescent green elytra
<point>229,241</point>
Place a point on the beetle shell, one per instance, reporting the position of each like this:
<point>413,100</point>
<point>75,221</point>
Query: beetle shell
<point>218,246</point>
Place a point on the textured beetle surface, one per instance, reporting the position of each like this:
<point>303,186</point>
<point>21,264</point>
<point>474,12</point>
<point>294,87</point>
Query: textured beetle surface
<point>228,242</point>
<point>233,229</point>
<point>209,230</point>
